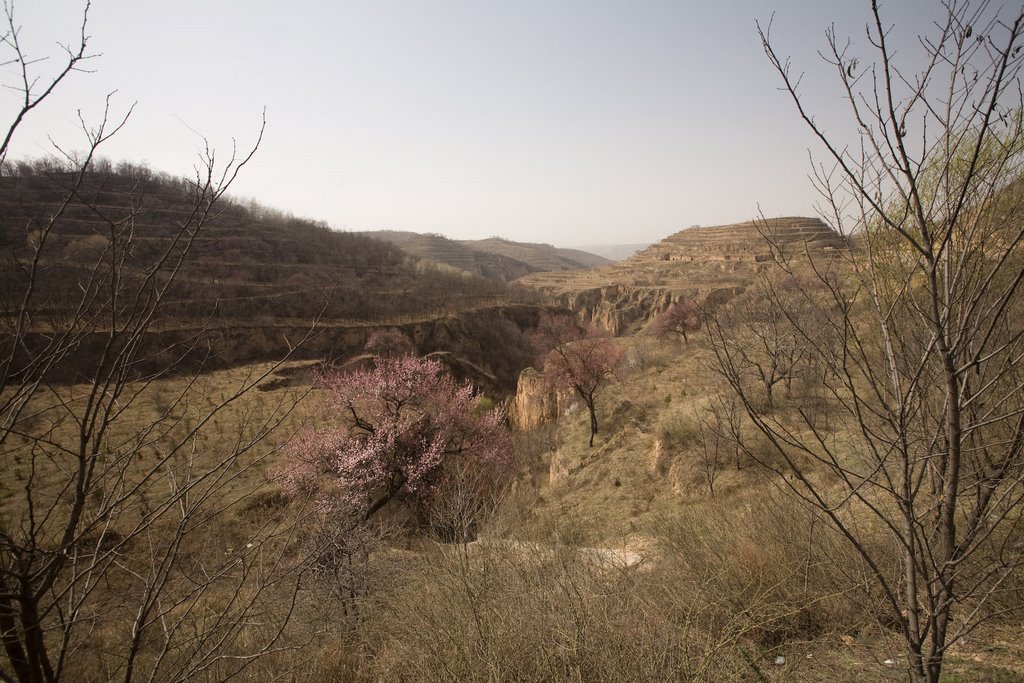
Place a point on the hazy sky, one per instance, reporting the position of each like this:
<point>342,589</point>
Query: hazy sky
<point>569,122</point>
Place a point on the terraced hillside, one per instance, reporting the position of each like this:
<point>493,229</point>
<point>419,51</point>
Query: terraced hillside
<point>494,257</point>
<point>743,242</point>
<point>251,279</point>
<point>705,264</point>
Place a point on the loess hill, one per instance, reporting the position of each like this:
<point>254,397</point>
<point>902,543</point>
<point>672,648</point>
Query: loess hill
<point>248,260</point>
<point>253,281</point>
<point>493,257</point>
<point>709,265</point>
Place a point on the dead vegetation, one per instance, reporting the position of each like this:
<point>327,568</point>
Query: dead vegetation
<point>142,533</point>
<point>727,582</point>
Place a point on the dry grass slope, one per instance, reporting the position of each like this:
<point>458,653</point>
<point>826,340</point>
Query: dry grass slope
<point>494,258</point>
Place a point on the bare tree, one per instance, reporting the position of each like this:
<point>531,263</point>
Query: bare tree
<point>770,329</point>
<point>719,436</point>
<point>117,471</point>
<point>710,446</point>
<point>924,360</point>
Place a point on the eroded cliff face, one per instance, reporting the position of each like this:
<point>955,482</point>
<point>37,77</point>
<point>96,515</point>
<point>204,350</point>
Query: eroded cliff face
<point>535,402</point>
<point>617,308</point>
<point>710,266</point>
<point>622,309</point>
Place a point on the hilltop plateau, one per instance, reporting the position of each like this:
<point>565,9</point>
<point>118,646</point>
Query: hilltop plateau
<point>708,265</point>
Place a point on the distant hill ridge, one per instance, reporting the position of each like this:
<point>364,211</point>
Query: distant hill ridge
<point>253,283</point>
<point>614,252</point>
<point>494,257</point>
<point>543,256</point>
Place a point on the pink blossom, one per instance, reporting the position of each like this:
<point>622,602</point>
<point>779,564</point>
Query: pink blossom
<point>393,431</point>
<point>681,317</point>
<point>573,359</point>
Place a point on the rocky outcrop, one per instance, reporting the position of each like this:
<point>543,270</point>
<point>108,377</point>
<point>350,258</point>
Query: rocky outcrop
<point>536,401</point>
<point>617,307</point>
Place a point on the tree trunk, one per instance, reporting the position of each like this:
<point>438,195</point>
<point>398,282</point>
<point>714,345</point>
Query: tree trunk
<point>593,419</point>
<point>12,645</point>
<point>396,484</point>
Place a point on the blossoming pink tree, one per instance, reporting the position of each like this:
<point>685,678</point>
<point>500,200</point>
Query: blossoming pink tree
<point>681,317</point>
<point>399,430</point>
<point>390,342</point>
<point>573,359</point>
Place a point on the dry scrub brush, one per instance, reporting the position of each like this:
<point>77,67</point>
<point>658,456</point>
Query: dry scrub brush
<point>725,590</point>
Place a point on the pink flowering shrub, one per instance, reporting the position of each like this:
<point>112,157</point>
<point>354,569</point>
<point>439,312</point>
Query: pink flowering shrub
<point>680,318</point>
<point>398,430</point>
<point>390,342</point>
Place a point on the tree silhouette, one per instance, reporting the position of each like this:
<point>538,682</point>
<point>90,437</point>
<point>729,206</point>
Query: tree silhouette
<point>918,331</point>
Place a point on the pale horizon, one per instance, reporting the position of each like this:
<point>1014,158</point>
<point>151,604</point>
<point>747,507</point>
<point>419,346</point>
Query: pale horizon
<point>565,123</point>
